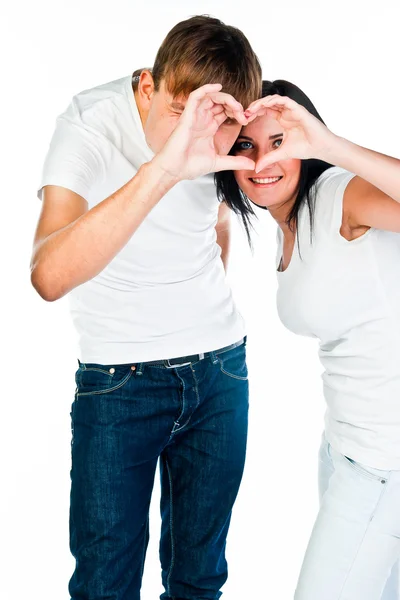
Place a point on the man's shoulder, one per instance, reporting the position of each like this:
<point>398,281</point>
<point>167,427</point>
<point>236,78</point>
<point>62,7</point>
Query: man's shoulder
<point>91,105</point>
<point>102,112</point>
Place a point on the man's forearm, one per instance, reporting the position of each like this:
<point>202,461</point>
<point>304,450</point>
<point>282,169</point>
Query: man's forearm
<point>78,252</point>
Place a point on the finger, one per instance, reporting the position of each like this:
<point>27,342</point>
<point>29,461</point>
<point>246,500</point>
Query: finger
<point>257,104</point>
<point>217,109</point>
<point>220,118</point>
<point>202,91</point>
<point>226,99</point>
<point>260,113</point>
<point>281,102</point>
<point>277,101</point>
<point>273,113</point>
<point>207,104</point>
<point>270,159</point>
<point>234,163</point>
<point>197,96</point>
<point>232,107</point>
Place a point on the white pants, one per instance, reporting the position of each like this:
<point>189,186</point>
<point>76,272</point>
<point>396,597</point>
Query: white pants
<point>354,549</point>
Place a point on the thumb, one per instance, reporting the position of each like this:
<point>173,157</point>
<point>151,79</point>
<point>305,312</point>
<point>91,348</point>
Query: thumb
<point>234,163</point>
<point>270,159</point>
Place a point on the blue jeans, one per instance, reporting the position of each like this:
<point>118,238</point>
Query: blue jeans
<point>194,419</point>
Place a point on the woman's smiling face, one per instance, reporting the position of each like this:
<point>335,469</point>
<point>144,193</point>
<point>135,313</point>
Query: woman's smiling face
<point>275,184</point>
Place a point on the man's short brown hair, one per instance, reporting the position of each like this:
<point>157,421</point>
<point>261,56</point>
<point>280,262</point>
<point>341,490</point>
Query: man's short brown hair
<point>203,50</point>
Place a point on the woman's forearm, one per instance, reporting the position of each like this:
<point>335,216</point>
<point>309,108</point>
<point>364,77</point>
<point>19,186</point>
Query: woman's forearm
<point>378,169</point>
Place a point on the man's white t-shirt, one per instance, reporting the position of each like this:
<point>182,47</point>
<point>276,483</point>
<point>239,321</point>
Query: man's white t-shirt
<point>347,295</point>
<point>165,294</point>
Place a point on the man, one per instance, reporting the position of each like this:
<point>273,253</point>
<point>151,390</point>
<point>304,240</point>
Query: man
<point>137,243</point>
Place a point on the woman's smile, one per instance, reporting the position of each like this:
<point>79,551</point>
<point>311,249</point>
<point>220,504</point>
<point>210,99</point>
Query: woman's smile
<point>265,182</point>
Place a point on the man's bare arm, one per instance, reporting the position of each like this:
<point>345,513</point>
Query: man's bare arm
<point>73,245</point>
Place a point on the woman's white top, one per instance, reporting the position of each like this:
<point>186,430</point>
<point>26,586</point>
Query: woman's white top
<point>347,295</point>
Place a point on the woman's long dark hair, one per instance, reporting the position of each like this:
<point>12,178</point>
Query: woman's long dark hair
<point>229,192</point>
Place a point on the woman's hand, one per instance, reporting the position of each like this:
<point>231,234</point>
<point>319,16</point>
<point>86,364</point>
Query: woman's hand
<point>304,136</point>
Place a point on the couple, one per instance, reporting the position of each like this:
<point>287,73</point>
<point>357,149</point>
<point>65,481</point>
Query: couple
<point>131,227</point>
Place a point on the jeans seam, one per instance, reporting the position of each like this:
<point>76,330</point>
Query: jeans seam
<point>182,411</point>
<point>97,370</point>
<point>107,391</point>
<point>171,527</point>
<point>354,560</point>
<point>197,387</point>
<point>364,472</point>
<point>230,374</point>
<point>145,541</point>
<point>363,538</point>
<point>72,421</point>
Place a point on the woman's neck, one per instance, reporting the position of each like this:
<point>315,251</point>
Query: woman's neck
<point>281,215</point>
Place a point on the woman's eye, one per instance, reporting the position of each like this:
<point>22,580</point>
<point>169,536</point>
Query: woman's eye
<point>243,146</point>
<point>277,143</point>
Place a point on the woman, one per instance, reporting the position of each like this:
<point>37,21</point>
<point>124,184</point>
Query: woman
<point>338,270</point>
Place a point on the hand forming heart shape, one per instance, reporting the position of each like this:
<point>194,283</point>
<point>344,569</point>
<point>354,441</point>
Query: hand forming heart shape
<point>304,137</point>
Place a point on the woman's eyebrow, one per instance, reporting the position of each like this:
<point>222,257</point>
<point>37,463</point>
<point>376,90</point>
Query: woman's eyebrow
<point>271,137</point>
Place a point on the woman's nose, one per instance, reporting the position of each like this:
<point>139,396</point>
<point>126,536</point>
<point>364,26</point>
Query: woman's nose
<point>268,167</point>
<point>260,154</point>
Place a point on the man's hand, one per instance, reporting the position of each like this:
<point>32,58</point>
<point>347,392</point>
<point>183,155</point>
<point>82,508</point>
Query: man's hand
<point>190,151</point>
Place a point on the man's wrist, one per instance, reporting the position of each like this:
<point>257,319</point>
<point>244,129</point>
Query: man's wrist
<point>162,173</point>
<point>150,184</point>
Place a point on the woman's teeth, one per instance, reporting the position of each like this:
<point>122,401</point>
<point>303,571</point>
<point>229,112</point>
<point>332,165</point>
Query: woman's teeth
<point>266,180</point>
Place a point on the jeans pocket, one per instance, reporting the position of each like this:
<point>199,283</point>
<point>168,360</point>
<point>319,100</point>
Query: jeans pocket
<point>233,363</point>
<point>99,380</point>
<point>324,454</point>
<point>365,471</point>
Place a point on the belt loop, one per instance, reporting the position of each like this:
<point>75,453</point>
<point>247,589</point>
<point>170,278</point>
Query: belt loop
<point>213,357</point>
<point>139,369</point>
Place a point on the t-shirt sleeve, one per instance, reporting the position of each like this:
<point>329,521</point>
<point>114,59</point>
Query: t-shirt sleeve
<point>73,160</point>
<point>329,192</point>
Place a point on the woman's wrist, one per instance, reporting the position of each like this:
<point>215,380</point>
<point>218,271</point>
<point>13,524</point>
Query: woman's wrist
<point>337,151</point>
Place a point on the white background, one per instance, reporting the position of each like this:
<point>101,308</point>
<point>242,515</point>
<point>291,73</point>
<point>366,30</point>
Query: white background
<point>345,55</point>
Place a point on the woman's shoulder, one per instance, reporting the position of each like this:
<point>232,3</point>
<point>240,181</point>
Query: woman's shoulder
<point>331,180</point>
<point>328,198</point>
